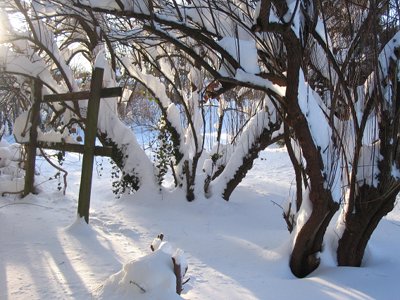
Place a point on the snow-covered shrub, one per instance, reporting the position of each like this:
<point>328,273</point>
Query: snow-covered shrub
<point>151,277</point>
<point>11,172</point>
<point>163,153</point>
<point>122,183</point>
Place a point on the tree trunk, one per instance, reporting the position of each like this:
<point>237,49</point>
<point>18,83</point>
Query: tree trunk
<point>361,224</point>
<point>303,259</point>
<point>262,142</point>
<point>190,179</point>
<point>298,168</point>
<point>309,239</point>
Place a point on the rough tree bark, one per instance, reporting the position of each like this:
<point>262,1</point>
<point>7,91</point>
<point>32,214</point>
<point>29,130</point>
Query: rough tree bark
<point>374,203</point>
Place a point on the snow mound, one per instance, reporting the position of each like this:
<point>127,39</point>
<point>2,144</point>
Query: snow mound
<point>150,277</point>
<point>11,173</point>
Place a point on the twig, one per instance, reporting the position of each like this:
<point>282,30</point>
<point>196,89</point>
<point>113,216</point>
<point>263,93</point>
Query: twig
<point>11,193</point>
<point>277,204</point>
<point>141,289</point>
<point>57,167</point>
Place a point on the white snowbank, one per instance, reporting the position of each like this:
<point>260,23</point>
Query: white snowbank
<point>150,277</point>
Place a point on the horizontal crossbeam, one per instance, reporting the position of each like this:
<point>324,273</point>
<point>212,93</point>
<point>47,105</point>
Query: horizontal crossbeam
<point>76,96</point>
<point>77,148</point>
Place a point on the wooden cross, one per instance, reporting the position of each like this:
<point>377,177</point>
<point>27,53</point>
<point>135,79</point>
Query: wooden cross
<point>89,149</point>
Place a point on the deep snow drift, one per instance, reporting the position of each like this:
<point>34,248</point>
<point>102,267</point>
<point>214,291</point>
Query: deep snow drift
<point>234,250</point>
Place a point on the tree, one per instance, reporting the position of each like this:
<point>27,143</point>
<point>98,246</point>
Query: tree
<point>372,131</point>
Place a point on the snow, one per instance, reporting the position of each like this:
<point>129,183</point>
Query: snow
<point>138,6</point>
<point>22,127</point>
<point>48,40</point>
<point>234,250</point>
<point>137,280</point>
<point>257,80</point>
<point>12,176</point>
<point>136,162</point>
<point>34,66</point>
<point>148,277</point>
<point>368,164</point>
<point>106,4</point>
<point>251,133</point>
<point>245,52</point>
<point>310,105</point>
<point>388,54</point>
<point>198,15</point>
<point>100,61</point>
<point>315,112</point>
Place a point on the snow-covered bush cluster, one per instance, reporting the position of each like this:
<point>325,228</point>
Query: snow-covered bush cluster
<point>11,168</point>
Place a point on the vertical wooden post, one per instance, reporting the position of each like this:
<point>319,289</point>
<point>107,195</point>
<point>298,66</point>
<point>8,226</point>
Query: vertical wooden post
<point>32,145</point>
<point>90,139</point>
<point>178,275</point>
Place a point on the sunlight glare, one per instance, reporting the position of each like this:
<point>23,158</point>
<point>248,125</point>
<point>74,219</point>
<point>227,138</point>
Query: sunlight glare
<point>19,275</point>
<point>10,22</point>
<point>337,291</point>
<point>55,274</point>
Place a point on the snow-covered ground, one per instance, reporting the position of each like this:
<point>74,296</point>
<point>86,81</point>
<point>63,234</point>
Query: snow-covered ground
<point>235,250</point>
